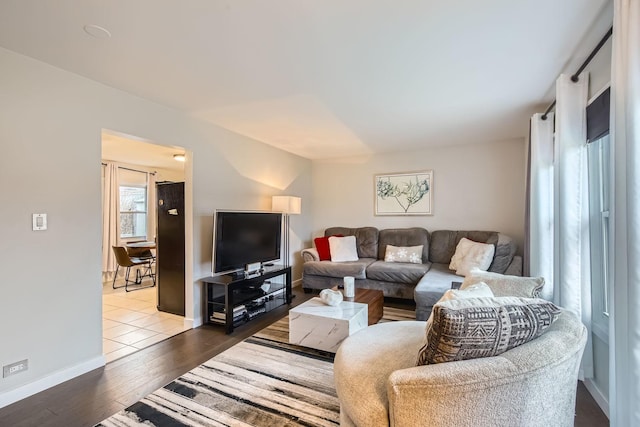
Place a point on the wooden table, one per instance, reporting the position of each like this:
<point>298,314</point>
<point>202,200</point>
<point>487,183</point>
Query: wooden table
<point>374,300</point>
<point>140,249</point>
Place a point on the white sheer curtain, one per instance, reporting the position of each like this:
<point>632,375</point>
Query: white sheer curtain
<point>151,206</point>
<point>624,336</point>
<point>572,277</point>
<point>541,201</point>
<point>110,219</point>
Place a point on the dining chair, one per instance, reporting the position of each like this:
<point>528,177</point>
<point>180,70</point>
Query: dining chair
<point>124,260</point>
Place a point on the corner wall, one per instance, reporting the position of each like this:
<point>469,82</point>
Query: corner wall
<point>50,127</point>
<point>477,186</point>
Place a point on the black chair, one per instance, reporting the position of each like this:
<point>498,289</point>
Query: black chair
<point>124,260</point>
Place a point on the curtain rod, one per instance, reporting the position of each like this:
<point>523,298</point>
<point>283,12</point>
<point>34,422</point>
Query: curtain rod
<point>575,76</point>
<point>129,169</point>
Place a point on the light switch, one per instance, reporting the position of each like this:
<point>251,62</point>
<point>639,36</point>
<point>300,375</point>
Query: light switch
<point>39,222</point>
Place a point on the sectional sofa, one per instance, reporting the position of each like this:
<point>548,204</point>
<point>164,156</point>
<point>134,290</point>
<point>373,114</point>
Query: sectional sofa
<point>425,282</point>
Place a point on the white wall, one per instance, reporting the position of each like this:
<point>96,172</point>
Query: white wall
<point>50,131</point>
<point>475,187</point>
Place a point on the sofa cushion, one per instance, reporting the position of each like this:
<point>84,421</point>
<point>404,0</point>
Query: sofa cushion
<point>404,237</point>
<point>397,272</point>
<point>505,286</point>
<point>410,254</point>
<point>338,269</point>
<point>366,239</point>
<point>505,251</point>
<point>465,329</point>
<point>431,287</point>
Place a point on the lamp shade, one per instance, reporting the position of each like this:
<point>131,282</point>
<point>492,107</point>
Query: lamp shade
<point>286,204</point>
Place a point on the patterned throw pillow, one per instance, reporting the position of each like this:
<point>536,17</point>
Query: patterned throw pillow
<point>412,254</point>
<point>465,329</point>
<point>478,290</point>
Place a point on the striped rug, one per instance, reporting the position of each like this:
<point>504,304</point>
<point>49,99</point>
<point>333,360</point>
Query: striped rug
<point>262,381</point>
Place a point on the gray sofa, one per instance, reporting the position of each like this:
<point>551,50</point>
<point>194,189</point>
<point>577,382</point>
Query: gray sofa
<point>424,282</point>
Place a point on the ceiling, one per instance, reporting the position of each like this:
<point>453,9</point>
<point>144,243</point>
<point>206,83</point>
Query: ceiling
<point>124,149</point>
<point>320,79</point>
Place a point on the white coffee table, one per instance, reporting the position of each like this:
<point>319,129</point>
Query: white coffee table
<point>318,325</point>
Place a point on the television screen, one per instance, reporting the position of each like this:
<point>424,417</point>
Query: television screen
<point>242,238</point>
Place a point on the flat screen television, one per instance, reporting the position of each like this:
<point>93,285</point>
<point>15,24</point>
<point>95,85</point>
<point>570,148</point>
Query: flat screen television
<point>245,237</point>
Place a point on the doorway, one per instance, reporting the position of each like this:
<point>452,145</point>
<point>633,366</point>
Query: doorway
<point>131,320</point>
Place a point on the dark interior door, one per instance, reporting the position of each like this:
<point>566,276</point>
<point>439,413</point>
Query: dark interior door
<point>170,265</point>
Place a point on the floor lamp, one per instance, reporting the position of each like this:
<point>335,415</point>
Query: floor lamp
<point>288,205</point>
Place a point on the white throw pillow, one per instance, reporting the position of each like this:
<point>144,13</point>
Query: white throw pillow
<point>412,254</point>
<point>471,255</point>
<point>343,248</point>
<point>477,290</point>
<point>462,248</point>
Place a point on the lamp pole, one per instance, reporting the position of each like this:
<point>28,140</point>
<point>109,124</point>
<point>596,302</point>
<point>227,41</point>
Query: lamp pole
<point>288,205</point>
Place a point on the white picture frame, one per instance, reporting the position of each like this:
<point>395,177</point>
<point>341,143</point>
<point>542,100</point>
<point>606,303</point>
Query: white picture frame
<point>407,193</point>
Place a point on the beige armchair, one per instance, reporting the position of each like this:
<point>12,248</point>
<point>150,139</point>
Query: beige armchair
<point>534,384</point>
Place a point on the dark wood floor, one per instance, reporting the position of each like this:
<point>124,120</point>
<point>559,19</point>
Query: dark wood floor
<point>94,396</point>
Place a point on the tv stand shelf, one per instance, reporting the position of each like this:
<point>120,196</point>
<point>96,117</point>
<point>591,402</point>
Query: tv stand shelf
<point>233,299</point>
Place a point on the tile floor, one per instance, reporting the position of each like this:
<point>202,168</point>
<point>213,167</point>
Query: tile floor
<point>130,321</point>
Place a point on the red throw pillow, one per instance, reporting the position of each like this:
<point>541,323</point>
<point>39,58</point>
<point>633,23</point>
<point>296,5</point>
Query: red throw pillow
<point>322,245</point>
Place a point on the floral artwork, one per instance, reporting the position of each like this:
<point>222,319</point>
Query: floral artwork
<point>404,193</point>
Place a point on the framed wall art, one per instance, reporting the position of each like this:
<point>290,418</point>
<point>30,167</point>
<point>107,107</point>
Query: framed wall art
<point>408,193</point>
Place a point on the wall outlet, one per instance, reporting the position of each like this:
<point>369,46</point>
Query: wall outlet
<point>15,368</point>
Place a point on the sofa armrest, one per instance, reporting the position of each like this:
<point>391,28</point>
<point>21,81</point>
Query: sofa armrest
<point>426,395</point>
<point>490,391</point>
<point>310,254</point>
<point>515,268</point>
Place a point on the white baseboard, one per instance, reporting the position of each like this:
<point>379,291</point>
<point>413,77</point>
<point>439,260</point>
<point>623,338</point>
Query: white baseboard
<point>49,381</point>
<point>297,282</point>
<point>189,323</point>
<point>598,396</point>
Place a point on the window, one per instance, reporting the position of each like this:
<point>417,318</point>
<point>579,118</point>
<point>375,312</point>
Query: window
<point>133,212</point>
<point>133,204</point>
<point>599,189</point>
<point>599,216</point>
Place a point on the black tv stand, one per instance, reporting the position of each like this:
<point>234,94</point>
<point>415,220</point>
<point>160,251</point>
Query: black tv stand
<point>236,298</point>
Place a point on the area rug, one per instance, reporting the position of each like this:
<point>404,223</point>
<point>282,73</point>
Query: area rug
<point>262,381</point>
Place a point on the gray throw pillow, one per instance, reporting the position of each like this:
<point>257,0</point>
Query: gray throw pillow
<point>483,327</point>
